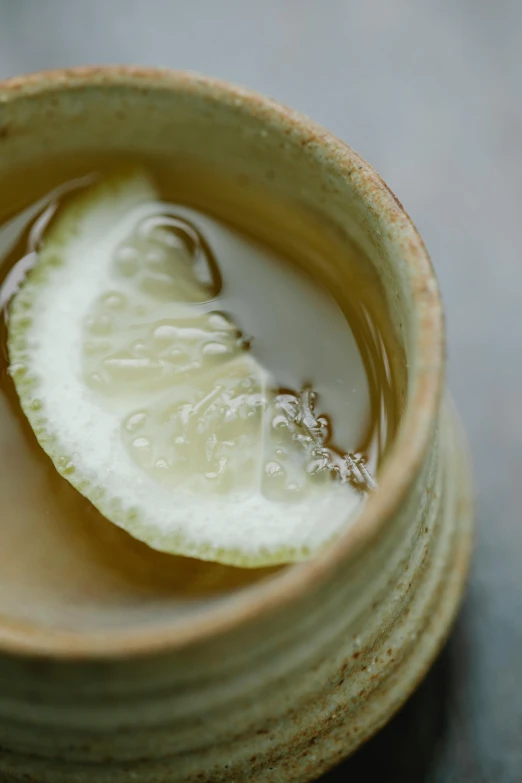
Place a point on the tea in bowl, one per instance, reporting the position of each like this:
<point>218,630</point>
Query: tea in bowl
<point>235,499</point>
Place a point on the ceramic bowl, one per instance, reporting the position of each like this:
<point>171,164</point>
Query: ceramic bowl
<point>281,680</point>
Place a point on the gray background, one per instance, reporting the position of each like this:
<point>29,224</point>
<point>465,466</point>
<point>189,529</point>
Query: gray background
<point>430,93</point>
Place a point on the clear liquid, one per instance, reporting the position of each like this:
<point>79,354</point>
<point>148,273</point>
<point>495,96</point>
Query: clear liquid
<point>62,563</point>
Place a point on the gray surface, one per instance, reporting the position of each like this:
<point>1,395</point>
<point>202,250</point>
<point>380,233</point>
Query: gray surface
<point>430,93</point>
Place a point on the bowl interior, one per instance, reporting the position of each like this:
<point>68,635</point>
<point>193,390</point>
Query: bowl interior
<point>66,578</point>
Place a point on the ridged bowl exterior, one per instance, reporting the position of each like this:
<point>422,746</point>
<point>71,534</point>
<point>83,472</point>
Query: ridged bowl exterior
<point>294,674</point>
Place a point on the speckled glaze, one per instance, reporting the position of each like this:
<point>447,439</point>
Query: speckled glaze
<point>284,679</point>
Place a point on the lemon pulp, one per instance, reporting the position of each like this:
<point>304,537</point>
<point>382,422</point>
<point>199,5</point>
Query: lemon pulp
<point>151,404</point>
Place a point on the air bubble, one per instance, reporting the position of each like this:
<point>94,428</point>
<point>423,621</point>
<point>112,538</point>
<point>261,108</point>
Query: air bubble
<point>141,443</point>
<point>220,323</point>
<point>114,300</point>
<point>95,379</point>
<point>126,252</point>
<point>167,238</point>
<point>274,470</point>
<point>141,451</point>
<point>166,332</point>
<point>135,421</point>
<point>215,349</point>
<point>139,348</point>
<point>229,414</point>
<point>155,256</point>
<point>214,474</point>
<point>318,465</point>
<point>280,422</point>
<point>131,367</point>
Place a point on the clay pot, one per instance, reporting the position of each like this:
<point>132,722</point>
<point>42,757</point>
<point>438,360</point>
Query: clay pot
<point>281,680</point>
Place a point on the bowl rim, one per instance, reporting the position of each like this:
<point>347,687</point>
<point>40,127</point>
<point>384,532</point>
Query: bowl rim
<point>417,425</point>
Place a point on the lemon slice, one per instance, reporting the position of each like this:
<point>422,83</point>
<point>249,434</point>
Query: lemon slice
<point>147,399</point>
